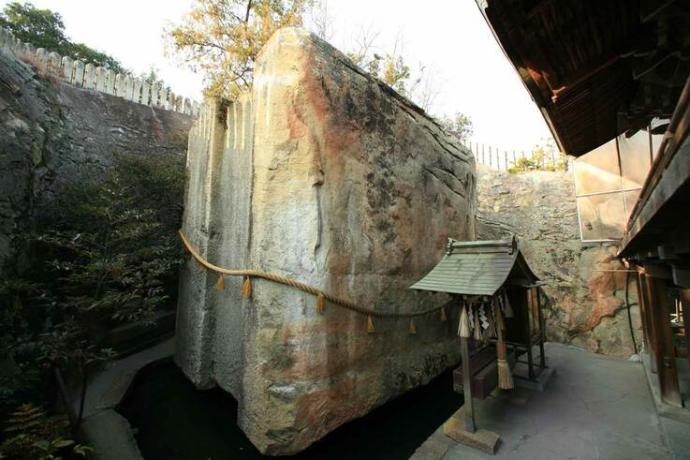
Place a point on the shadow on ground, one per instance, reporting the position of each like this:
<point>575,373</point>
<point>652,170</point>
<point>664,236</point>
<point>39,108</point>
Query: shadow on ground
<point>174,421</point>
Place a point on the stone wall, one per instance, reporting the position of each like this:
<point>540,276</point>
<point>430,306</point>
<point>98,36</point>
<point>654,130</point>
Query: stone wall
<point>92,77</point>
<point>585,303</point>
<point>324,175</point>
<point>52,133</point>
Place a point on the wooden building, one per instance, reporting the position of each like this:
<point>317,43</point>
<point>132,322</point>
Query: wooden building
<point>605,70</point>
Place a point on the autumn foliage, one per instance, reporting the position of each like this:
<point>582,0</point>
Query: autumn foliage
<point>223,38</point>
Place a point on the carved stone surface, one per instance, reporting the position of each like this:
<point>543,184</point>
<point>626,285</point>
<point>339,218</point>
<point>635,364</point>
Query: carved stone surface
<point>325,175</point>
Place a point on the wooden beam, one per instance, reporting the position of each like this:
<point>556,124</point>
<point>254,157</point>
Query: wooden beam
<point>661,306</point>
<point>642,302</point>
<point>542,331</point>
<point>651,324</point>
<point>468,413</point>
<point>528,333</point>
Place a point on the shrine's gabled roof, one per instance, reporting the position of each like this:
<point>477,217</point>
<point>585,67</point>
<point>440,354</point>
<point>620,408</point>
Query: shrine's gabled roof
<point>477,268</point>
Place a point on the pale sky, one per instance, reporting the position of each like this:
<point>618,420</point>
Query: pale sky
<point>450,37</point>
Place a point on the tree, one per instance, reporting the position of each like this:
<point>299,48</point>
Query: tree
<point>87,54</point>
<point>544,156</point>
<point>424,89</point>
<point>321,21</point>
<point>151,76</point>
<point>41,28</point>
<point>460,126</point>
<point>222,38</point>
<point>390,67</point>
<point>107,255</point>
<point>44,28</point>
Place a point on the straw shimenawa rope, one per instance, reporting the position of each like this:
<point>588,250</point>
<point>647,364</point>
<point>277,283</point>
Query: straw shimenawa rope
<point>321,295</point>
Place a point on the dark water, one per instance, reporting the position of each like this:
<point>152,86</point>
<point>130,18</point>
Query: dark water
<point>174,421</point>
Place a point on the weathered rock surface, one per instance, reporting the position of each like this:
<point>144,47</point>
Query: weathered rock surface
<point>51,133</point>
<point>325,175</point>
<point>585,303</point>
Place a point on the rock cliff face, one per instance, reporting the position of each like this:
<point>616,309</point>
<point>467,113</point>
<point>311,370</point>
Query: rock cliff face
<point>52,133</point>
<point>585,298</point>
<point>325,175</point>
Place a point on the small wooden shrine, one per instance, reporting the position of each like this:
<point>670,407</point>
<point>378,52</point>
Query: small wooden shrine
<point>501,325</point>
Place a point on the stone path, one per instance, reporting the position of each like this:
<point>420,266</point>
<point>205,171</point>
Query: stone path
<point>594,408</point>
<point>106,431</point>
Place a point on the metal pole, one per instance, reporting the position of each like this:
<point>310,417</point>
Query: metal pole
<point>468,410</point>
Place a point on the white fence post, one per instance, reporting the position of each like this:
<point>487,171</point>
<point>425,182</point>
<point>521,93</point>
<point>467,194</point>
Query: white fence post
<point>145,93</point>
<point>109,82</point>
<point>136,90</point>
<point>127,88</point>
<point>78,73</point>
<point>54,61</point>
<point>155,93</point>
<point>89,76</point>
<point>163,97</point>
<point>100,79</point>
<point>67,69</point>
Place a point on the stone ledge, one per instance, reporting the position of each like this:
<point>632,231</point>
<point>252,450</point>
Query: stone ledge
<point>111,437</point>
<point>484,440</point>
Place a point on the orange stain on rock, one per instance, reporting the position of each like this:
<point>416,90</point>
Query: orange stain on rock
<point>602,289</point>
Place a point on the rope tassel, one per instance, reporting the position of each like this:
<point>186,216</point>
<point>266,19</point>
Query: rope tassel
<point>478,334</point>
<point>320,303</point>
<point>413,328</point>
<point>247,287</point>
<point>370,325</point>
<point>220,285</point>
<point>464,326</point>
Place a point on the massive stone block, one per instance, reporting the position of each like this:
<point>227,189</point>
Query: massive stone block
<point>328,176</point>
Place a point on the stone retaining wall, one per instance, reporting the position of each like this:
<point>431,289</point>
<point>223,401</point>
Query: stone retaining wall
<point>585,290</point>
<point>51,134</point>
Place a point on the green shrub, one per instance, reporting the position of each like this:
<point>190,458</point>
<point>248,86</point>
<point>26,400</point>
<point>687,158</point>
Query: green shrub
<point>537,162</point>
<point>106,254</point>
<point>31,434</point>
